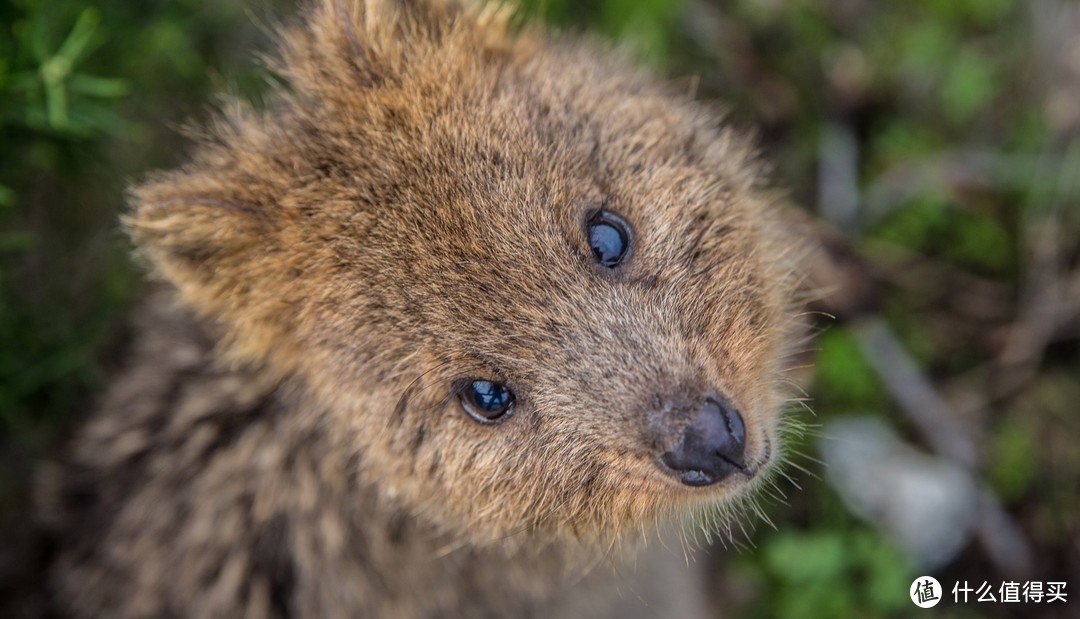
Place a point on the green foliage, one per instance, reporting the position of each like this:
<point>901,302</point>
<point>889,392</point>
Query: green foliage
<point>968,86</point>
<point>829,572</point>
<point>934,226</point>
<point>920,225</point>
<point>90,93</point>
<point>842,377</point>
<point>53,93</point>
<point>45,99</point>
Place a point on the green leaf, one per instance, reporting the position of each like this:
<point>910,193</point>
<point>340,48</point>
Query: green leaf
<point>81,35</point>
<point>56,102</point>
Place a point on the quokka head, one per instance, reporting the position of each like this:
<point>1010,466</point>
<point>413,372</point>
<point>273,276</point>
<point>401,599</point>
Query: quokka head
<point>531,288</point>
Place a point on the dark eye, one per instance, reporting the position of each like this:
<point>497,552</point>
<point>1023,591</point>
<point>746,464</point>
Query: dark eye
<point>609,237</point>
<point>486,401</point>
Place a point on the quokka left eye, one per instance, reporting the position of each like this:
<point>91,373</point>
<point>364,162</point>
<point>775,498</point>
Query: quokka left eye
<point>486,401</point>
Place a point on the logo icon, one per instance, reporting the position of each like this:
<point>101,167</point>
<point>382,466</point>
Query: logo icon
<point>925,591</point>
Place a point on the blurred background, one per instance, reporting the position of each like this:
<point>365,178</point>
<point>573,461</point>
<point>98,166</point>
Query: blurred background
<point>933,142</point>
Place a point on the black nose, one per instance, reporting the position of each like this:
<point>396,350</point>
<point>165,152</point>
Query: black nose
<point>711,446</point>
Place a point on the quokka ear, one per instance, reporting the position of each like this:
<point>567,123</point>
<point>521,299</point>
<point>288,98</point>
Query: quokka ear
<point>218,236</point>
<point>213,227</point>
<point>189,224</point>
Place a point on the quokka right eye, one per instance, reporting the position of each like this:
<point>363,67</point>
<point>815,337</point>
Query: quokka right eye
<point>609,238</point>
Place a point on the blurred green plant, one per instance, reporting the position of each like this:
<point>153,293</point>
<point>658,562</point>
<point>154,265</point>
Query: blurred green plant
<point>73,129</point>
<point>47,102</point>
<point>830,572</point>
<point>56,94</point>
<point>845,381</point>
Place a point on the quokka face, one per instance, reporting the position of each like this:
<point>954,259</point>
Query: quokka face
<point>530,288</point>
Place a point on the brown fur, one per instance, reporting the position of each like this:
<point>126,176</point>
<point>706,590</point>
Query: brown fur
<point>411,211</point>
